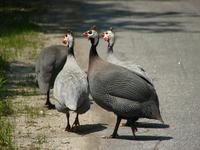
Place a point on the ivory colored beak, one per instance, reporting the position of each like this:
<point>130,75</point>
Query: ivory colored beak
<point>65,40</point>
<point>85,34</point>
<point>102,34</point>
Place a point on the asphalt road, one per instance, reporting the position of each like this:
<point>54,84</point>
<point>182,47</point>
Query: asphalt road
<point>163,36</point>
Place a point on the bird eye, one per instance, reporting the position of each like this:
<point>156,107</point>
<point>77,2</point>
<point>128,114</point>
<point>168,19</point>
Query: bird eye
<point>106,32</point>
<point>90,32</point>
<point>66,35</point>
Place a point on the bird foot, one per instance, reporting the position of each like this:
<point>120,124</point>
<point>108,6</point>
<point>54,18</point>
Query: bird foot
<point>134,129</point>
<point>50,106</point>
<point>68,128</point>
<point>76,124</point>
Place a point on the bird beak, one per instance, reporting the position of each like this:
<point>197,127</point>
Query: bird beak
<point>102,34</point>
<point>85,34</point>
<point>65,40</point>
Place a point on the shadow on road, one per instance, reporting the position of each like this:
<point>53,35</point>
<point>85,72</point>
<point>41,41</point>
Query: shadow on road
<point>151,125</point>
<point>90,128</point>
<point>21,80</point>
<point>145,138</point>
<point>55,16</point>
<point>80,15</point>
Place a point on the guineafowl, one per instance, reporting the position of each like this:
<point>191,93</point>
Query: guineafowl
<point>120,90</point>
<point>71,86</point>
<point>48,64</point>
<point>109,37</point>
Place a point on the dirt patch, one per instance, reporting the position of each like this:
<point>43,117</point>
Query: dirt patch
<point>40,128</point>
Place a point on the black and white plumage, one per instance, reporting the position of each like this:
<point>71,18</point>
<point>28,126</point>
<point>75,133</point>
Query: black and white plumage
<point>71,86</point>
<point>120,90</point>
<point>48,64</point>
<point>109,36</point>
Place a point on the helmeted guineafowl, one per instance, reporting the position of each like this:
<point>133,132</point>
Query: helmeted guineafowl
<point>48,64</point>
<point>71,86</point>
<point>109,37</point>
<point>120,90</point>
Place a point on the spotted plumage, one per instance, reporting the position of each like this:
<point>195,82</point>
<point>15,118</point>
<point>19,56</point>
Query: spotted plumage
<point>48,64</point>
<point>117,89</point>
<point>109,36</point>
<point>71,87</point>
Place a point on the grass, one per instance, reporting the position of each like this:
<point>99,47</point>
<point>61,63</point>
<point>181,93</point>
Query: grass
<point>6,133</point>
<point>3,67</point>
<point>31,112</point>
<point>19,35</point>
<point>6,109</point>
<point>17,30</point>
<point>13,42</point>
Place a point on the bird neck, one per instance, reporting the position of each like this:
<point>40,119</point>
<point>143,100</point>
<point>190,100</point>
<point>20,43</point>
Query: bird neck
<point>71,51</point>
<point>93,56</point>
<point>110,49</point>
<point>93,50</point>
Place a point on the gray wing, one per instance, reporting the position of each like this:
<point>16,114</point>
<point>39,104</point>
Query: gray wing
<point>123,83</point>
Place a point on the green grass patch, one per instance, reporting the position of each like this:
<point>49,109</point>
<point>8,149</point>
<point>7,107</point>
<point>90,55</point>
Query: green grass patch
<point>3,68</point>
<point>18,29</point>
<point>19,37</point>
<point>34,112</point>
<point>6,107</point>
<point>31,112</point>
<point>6,132</point>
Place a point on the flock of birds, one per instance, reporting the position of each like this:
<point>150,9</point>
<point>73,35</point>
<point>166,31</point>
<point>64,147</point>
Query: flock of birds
<point>120,87</point>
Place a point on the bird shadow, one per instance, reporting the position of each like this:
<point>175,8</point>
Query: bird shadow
<point>151,125</point>
<point>21,77</point>
<point>144,138</point>
<point>89,128</point>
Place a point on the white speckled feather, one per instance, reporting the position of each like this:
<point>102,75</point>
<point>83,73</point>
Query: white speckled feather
<point>129,65</point>
<point>71,86</point>
<point>109,36</point>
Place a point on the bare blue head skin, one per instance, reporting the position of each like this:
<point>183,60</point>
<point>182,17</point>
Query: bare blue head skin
<point>109,36</point>
<point>120,90</point>
<point>69,41</point>
<point>93,36</point>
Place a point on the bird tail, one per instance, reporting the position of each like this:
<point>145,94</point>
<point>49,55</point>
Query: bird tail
<point>160,119</point>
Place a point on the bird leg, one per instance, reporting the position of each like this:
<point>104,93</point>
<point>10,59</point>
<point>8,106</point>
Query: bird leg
<point>68,128</point>
<point>134,129</point>
<point>76,122</point>
<point>129,122</point>
<point>114,135</point>
<point>48,103</point>
<point>47,100</point>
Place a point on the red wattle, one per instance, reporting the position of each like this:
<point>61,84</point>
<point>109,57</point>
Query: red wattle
<point>106,39</point>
